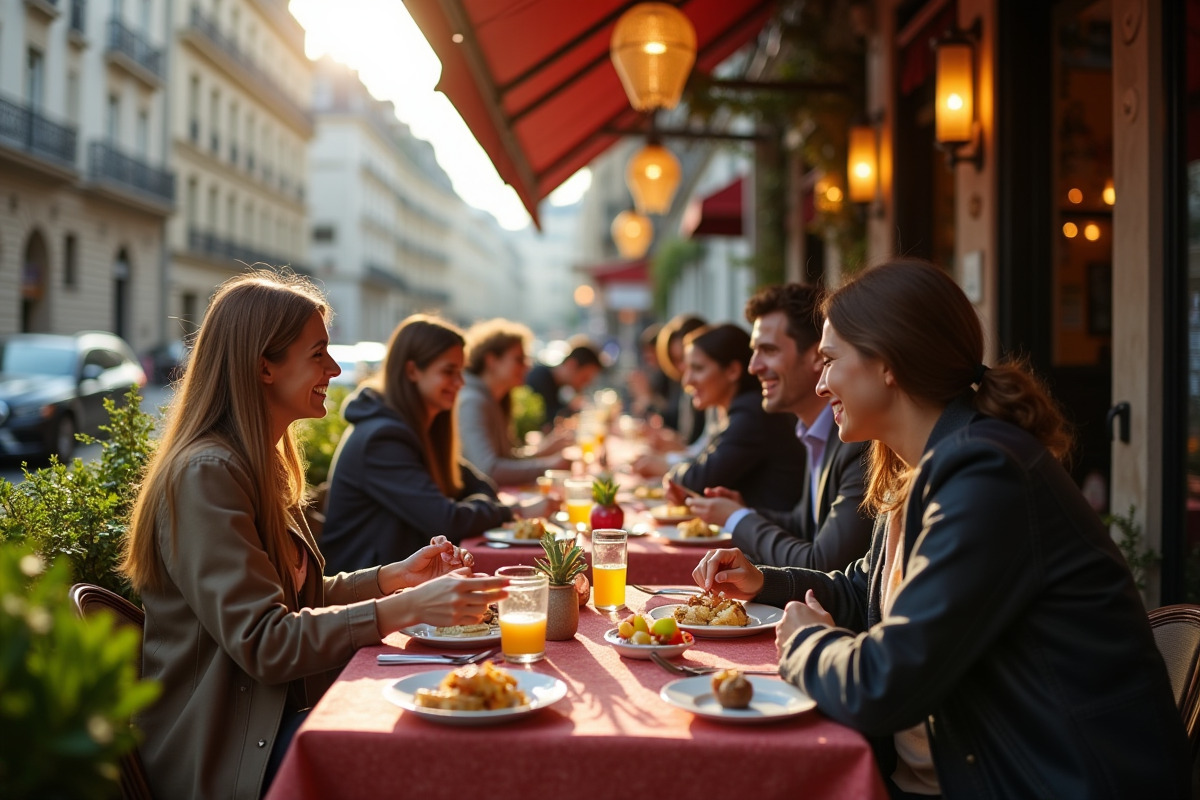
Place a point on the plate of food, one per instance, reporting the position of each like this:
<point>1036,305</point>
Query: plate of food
<point>729,696</point>
<point>477,694</point>
<point>715,616</point>
<point>486,631</point>
<point>694,531</point>
<point>671,514</point>
<point>524,531</point>
<point>638,636</point>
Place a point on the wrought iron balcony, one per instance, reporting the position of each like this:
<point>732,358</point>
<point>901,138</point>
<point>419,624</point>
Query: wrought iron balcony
<point>217,248</point>
<point>25,129</point>
<point>243,68</point>
<point>106,164</point>
<point>127,47</point>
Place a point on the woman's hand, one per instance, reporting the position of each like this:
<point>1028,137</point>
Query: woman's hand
<point>800,615</point>
<point>437,558</point>
<point>456,598</point>
<point>728,571</point>
<point>713,510</point>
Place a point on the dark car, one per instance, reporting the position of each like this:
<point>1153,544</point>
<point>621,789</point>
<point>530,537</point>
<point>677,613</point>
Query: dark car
<point>52,386</point>
<point>165,363</point>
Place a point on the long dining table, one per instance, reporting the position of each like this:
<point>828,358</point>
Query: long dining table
<point>610,736</point>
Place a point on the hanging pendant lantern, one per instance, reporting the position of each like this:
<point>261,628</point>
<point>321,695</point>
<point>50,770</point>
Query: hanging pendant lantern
<point>652,178</point>
<point>632,233</point>
<point>653,48</point>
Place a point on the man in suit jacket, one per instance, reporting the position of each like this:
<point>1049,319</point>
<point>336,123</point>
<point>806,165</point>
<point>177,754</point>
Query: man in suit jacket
<point>826,530</point>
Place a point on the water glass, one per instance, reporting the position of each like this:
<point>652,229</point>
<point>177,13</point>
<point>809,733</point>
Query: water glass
<point>523,614</point>
<point>609,564</point>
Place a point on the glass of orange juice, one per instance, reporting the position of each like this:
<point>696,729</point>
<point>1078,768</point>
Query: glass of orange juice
<point>578,493</point>
<point>609,561</point>
<point>523,614</point>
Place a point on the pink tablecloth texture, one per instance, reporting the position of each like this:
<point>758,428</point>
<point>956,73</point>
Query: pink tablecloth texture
<point>611,736</point>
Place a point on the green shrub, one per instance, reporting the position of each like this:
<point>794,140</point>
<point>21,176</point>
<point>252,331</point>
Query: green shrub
<point>81,512</point>
<point>528,411</point>
<point>319,437</point>
<point>1139,557</point>
<point>68,686</point>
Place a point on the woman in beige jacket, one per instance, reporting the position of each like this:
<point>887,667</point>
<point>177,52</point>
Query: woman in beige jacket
<point>242,630</point>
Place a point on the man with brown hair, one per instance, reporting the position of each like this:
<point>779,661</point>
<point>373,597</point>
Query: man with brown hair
<point>827,529</point>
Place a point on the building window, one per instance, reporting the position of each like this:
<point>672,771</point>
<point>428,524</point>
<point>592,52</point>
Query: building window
<point>34,76</point>
<point>113,126</point>
<point>234,119</point>
<point>194,109</point>
<point>192,206</point>
<point>143,134</point>
<point>73,96</point>
<point>214,120</point>
<point>70,269</point>
<point>324,233</point>
<point>187,312</point>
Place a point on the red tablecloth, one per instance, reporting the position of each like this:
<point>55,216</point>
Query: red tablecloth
<point>612,736</point>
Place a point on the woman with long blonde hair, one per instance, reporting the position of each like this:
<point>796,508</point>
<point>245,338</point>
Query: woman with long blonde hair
<point>398,474</point>
<point>242,631</point>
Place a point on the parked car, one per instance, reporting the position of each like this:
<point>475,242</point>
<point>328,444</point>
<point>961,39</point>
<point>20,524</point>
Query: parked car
<point>52,386</point>
<point>164,363</point>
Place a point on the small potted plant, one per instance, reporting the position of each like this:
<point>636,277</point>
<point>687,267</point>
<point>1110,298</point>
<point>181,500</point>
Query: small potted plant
<point>563,562</point>
<point>605,511</point>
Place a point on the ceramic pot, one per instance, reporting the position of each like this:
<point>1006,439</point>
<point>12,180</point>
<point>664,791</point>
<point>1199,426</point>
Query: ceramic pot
<point>562,614</point>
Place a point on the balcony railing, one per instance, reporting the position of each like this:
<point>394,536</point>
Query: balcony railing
<point>25,129</point>
<point>106,163</point>
<point>129,43</point>
<point>267,84</point>
<point>213,246</point>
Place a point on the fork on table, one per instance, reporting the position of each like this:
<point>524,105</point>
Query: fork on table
<point>680,669</point>
<point>686,590</point>
<point>406,659</point>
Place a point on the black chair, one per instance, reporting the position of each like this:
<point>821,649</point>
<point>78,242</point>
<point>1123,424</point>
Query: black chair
<point>88,599</point>
<point>1177,633</point>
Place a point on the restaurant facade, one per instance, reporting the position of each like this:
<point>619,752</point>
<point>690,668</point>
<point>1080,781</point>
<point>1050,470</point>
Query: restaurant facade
<point>1068,210</point>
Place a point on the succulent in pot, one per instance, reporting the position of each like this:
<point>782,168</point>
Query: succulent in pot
<point>563,566</point>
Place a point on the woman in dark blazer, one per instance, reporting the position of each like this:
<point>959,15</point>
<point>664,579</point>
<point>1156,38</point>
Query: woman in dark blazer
<point>755,453</point>
<point>397,477</point>
<point>992,642</point>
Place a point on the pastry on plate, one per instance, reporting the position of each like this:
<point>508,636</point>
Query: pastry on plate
<point>712,609</point>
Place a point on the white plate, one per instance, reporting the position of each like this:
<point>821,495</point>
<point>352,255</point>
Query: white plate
<point>509,536</point>
<point>762,618</point>
<point>427,634</point>
<point>663,514</point>
<point>643,651</point>
<point>542,690</point>
<point>773,700</point>
<point>675,536</point>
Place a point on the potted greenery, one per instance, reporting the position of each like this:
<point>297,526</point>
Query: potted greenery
<point>563,562</point>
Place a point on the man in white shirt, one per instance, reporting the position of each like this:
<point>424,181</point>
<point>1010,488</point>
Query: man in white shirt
<point>826,530</point>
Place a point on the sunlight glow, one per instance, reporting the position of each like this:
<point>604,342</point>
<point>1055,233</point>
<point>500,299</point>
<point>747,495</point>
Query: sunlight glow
<point>379,39</point>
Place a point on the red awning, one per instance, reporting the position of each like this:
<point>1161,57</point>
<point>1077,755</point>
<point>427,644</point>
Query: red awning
<point>533,81</point>
<point>619,272</point>
<point>717,214</point>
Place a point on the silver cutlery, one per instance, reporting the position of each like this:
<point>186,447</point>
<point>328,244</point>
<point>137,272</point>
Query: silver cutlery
<point>408,659</point>
<point>684,590</point>
<point>680,669</point>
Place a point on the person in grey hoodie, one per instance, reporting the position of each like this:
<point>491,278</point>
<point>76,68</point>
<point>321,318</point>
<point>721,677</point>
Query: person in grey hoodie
<point>397,477</point>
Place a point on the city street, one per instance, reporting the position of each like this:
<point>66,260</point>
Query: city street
<point>153,396</point>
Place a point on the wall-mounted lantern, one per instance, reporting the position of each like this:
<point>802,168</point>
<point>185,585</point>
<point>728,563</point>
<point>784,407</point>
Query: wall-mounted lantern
<point>653,48</point>
<point>957,129</point>
<point>862,164</point>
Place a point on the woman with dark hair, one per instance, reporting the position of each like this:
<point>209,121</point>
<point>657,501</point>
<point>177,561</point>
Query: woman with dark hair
<point>242,632</point>
<point>993,639</point>
<point>754,453</point>
<point>397,475</point>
